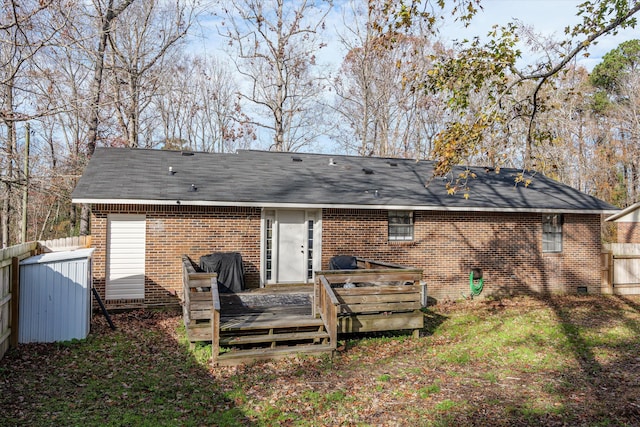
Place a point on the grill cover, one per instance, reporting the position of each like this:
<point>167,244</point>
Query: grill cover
<point>228,266</point>
<point>343,262</point>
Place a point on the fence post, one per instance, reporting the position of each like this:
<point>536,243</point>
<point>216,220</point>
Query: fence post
<point>611,277</point>
<point>15,300</point>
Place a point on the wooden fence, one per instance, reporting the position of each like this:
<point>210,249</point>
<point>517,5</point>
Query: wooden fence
<point>9,281</point>
<point>64,244</point>
<point>621,269</point>
<point>9,266</point>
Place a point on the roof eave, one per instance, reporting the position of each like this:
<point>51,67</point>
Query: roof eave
<point>625,211</point>
<point>271,205</point>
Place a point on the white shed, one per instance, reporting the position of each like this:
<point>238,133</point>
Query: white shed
<point>55,296</point>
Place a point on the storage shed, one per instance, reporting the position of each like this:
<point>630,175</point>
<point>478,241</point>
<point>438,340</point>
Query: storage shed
<point>55,296</point>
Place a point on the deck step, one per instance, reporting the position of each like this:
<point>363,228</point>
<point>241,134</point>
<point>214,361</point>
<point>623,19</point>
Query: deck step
<point>232,358</point>
<point>273,337</point>
<point>235,311</point>
<point>257,323</point>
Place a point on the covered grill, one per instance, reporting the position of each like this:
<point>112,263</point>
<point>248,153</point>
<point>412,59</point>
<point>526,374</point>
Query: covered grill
<point>228,266</point>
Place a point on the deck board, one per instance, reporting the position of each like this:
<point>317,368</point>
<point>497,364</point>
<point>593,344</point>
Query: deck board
<point>235,358</point>
<point>267,321</point>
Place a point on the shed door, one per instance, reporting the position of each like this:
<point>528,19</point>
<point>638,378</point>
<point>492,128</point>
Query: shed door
<point>126,257</point>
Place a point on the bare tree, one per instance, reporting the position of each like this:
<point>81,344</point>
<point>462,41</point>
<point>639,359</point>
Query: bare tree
<point>276,47</point>
<point>493,65</point>
<point>108,11</point>
<point>628,116</point>
<point>199,107</point>
<point>141,39</point>
<point>373,100</point>
<point>24,30</point>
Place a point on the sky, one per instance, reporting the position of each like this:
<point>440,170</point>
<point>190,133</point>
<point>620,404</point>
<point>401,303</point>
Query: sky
<point>546,17</point>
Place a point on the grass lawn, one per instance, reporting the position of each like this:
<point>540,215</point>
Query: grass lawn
<point>515,362</point>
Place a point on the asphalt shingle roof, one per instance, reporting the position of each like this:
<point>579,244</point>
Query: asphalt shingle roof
<point>260,178</point>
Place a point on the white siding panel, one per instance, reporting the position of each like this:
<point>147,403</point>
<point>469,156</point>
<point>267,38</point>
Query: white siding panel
<point>633,216</point>
<point>126,258</point>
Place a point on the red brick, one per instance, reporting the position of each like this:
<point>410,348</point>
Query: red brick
<point>447,245</point>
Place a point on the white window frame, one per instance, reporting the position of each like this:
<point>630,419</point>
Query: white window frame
<point>393,226</point>
<point>552,233</point>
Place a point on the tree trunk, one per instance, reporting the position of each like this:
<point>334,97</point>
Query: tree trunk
<point>133,112</point>
<point>5,222</point>
<point>73,218</point>
<point>280,92</point>
<point>96,91</point>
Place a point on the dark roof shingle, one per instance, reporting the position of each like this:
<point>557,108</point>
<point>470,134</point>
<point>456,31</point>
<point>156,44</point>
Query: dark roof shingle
<point>260,178</point>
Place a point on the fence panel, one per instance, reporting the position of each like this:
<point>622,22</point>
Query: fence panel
<point>65,244</point>
<point>8,281</point>
<point>621,269</point>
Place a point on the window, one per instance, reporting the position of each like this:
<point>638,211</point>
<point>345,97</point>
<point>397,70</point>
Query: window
<point>400,226</point>
<point>268,241</point>
<point>552,233</point>
<point>310,249</point>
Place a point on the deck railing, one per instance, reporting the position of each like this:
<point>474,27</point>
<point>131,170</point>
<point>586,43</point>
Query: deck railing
<point>373,275</point>
<point>327,307</point>
<point>378,298</point>
<point>368,264</point>
<point>200,304</point>
<point>215,321</point>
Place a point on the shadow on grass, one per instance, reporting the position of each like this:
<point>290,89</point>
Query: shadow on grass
<point>598,385</point>
<point>432,321</point>
<point>596,388</point>
<point>140,374</point>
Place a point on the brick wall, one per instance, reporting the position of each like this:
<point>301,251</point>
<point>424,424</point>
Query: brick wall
<point>508,247</point>
<point>628,232</point>
<point>176,230</point>
<point>446,245</point>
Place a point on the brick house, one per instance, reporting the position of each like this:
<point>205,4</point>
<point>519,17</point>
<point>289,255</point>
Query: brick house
<point>627,224</point>
<point>287,214</point>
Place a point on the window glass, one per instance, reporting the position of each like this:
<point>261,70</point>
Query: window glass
<point>310,249</point>
<point>400,225</point>
<point>552,233</point>
<point>268,241</point>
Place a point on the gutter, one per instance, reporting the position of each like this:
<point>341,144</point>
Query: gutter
<point>265,205</point>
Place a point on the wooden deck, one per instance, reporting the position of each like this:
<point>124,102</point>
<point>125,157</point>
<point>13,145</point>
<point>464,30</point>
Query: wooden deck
<point>281,321</point>
<point>253,325</point>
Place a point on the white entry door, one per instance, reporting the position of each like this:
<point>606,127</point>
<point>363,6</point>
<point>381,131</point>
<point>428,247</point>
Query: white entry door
<point>291,247</point>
